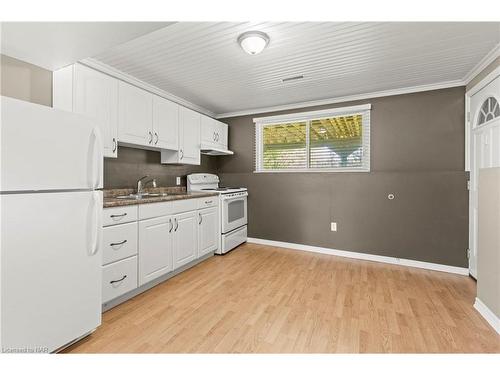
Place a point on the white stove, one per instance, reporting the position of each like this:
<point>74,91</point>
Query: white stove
<point>232,209</point>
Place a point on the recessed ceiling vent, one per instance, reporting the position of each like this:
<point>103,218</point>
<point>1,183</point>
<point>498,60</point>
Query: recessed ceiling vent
<point>291,79</point>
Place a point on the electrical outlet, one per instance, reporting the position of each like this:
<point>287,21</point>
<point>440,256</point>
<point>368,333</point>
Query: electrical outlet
<point>177,181</point>
<point>333,226</point>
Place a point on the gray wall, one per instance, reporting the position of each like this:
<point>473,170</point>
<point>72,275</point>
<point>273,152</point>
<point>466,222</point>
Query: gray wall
<point>417,153</point>
<point>25,81</point>
<point>132,164</point>
<point>488,252</point>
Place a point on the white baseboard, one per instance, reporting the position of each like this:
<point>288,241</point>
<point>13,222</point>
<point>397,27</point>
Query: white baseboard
<point>488,315</point>
<point>363,256</point>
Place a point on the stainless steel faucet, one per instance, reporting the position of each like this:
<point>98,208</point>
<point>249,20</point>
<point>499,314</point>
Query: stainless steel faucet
<point>141,184</point>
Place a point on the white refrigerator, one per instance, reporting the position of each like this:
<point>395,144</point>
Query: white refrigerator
<point>51,227</point>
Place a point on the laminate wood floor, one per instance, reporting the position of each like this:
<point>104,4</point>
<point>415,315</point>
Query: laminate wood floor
<point>272,300</point>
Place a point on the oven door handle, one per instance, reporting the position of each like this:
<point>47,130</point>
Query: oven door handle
<point>234,198</point>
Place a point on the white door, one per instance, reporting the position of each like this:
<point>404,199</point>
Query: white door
<point>185,238</point>
<point>96,96</point>
<point>222,135</point>
<point>484,152</point>
<point>208,230</point>
<point>208,131</point>
<point>189,136</point>
<point>51,268</point>
<point>155,248</point>
<point>47,149</point>
<point>135,115</point>
<point>165,124</point>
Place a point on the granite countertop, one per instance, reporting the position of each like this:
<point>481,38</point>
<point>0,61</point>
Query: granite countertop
<point>173,194</point>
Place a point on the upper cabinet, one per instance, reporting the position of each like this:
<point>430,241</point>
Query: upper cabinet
<point>165,123</point>
<point>189,140</point>
<point>88,92</point>
<point>213,137</point>
<point>135,115</point>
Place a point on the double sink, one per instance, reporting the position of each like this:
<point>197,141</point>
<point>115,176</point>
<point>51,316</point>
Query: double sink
<point>146,195</point>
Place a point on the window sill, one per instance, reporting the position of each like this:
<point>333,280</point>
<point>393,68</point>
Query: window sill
<point>329,170</point>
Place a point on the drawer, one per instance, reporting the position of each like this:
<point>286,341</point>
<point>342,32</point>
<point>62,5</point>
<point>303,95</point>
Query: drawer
<point>119,278</point>
<point>119,215</point>
<point>119,242</point>
<point>208,202</point>
<point>234,238</point>
<point>151,210</point>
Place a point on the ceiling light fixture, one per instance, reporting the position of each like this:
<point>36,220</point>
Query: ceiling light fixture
<point>253,42</point>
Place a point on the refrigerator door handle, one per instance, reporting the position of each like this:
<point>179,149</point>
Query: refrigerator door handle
<point>95,159</point>
<point>96,195</point>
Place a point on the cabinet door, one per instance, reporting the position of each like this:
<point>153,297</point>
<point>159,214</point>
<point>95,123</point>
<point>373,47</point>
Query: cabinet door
<point>208,231</point>
<point>222,134</point>
<point>189,135</point>
<point>185,238</point>
<point>165,123</point>
<point>135,115</point>
<point>208,130</point>
<point>155,248</point>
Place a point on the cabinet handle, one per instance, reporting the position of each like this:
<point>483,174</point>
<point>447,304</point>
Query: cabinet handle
<point>171,226</point>
<point>156,135</point>
<point>182,154</point>
<point>117,281</point>
<point>150,137</point>
<point>217,137</point>
<point>114,145</point>
<point>208,202</point>
<point>176,225</point>
<point>118,243</point>
<point>121,215</point>
<point>214,137</point>
<point>201,219</point>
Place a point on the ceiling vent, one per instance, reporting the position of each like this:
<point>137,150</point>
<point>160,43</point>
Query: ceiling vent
<point>291,79</point>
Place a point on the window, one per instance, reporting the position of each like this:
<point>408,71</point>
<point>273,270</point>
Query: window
<point>319,141</point>
<point>489,110</point>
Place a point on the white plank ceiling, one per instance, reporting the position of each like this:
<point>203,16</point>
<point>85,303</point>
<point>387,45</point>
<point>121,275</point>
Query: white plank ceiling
<point>201,62</point>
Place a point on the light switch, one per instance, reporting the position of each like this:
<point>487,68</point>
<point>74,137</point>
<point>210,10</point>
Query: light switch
<point>177,181</point>
<point>333,226</point>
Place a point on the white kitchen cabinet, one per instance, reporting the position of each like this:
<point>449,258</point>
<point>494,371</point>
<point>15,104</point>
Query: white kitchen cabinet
<point>208,230</point>
<point>135,115</point>
<point>82,90</point>
<point>155,248</point>
<point>213,133</point>
<point>185,238</point>
<point>165,123</point>
<point>189,140</point>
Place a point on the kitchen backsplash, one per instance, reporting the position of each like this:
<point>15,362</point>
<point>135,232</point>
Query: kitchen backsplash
<point>131,164</point>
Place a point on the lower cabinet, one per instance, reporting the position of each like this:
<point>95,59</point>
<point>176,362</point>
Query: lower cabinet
<point>208,230</point>
<point>185,237</point>
<point>155,248</point>
<point>146,244</point>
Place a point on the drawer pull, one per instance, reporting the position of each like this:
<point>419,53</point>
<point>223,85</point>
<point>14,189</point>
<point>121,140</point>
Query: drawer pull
<point>118,243</point>
<point>121,215</point>
<point>117,281</point>
<point>208,202</point>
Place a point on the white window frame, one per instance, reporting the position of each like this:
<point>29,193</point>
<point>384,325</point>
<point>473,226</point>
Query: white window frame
<point>363,110</point>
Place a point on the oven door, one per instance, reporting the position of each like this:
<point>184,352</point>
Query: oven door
<point>234,213</point>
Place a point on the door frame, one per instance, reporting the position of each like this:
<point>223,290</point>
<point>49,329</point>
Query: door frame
<point>469,121</point>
